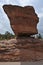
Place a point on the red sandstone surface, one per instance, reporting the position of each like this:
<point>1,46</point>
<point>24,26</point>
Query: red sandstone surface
<point>23,20</point>
<point>27,49</point>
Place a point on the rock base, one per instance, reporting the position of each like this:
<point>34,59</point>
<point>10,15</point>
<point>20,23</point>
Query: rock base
<point>24,49</point>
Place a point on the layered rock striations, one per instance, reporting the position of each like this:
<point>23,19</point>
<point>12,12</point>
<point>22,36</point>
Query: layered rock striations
<point>27,49</point>
<point>23,20</point>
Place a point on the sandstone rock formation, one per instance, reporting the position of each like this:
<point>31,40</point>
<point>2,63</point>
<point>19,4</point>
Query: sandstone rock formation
<point>23,20</point>
<point>27,49</point>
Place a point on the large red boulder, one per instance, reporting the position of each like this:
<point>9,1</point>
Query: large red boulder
<point>23,20</point>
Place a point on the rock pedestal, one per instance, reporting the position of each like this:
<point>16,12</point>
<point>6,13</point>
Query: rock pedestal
<point>24,49</point>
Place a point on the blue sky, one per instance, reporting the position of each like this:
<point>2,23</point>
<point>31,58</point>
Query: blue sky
<point>4,21</point>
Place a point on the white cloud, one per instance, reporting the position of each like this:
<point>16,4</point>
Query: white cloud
<point>40,15</point>
<point>15,2</point>
<point>4,1</point>
<point>25,2</point>
<point>42,9</point>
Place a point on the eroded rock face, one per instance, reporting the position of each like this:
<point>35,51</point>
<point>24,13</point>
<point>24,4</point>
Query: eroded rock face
<point>27,49</point>
<point>23,20</point>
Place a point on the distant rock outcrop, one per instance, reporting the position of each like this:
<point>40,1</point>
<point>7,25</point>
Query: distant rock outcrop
<point>23,20</point>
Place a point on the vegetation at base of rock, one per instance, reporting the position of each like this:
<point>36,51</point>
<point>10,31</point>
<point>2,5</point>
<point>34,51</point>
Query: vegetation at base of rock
<point>7,36</point>
<point>39,36</point>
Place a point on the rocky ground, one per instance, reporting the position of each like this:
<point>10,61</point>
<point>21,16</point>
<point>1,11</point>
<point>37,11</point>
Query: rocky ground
<point>26,49</point>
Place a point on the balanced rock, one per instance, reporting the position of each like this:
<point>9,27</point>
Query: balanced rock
<point>23,20</point>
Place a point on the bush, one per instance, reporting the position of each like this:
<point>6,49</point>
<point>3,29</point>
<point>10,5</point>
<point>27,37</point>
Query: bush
<point>39,36</point>
<point>7,35</point>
